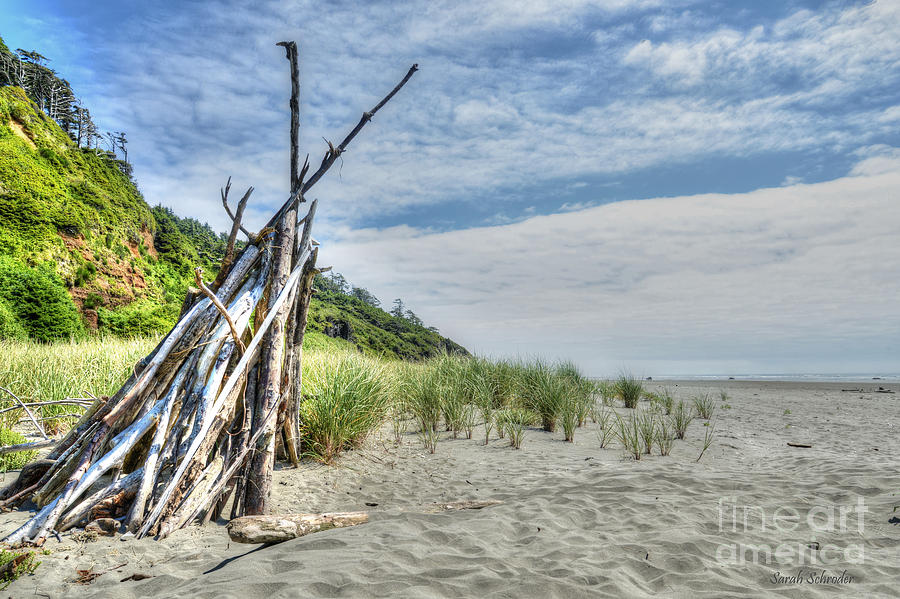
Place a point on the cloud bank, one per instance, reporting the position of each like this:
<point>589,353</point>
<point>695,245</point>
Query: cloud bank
<point>793,279</point>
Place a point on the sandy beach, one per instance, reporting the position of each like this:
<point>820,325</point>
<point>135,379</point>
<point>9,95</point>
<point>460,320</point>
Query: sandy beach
<point>577,520</point>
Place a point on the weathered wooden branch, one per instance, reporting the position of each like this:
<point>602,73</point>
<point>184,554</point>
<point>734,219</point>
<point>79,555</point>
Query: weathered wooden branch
<point>198,277</point>
<point>333,153</point>
<point>290,49</point>
<point>236,220</point>
<point>28,446</point>
<point>296,332</point>
<point>40,404</point>
<point>228,258</point>
<point>454,506</point>
<point>270,374</point>
<point>276,529</point>
<point>27,411</point>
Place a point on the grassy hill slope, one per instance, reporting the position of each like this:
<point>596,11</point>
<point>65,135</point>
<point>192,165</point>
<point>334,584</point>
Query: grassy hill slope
<point>81,251</point>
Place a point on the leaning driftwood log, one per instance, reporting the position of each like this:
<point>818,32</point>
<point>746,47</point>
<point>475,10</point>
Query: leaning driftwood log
<point>198,420</point>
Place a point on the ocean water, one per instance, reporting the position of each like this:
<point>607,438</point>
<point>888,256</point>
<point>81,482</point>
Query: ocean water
<point>812,378</point>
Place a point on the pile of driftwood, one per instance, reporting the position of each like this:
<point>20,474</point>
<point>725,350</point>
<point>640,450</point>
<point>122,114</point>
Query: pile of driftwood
<point>200,420</point>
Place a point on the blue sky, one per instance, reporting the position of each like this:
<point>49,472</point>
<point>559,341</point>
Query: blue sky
<point>690,134</point>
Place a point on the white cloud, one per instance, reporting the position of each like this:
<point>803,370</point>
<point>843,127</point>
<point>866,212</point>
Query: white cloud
<point>487,112</point>
<point>830,50</point>
<point>694,283</point>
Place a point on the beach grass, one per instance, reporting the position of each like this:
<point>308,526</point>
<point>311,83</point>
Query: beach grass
<point>708,437</point>
<point>42,372</point>
<point>704,405</point>
<point>629,389</point>
<point>662,400</point>
<point>484,388</point>
<point>346,397</point>
<point>681,418</point>
<point>605,430</point>
<point>13,461</point>
<point>665,436</point>
<point>469,418</point>
<point>397,415</point>
<point>422,390</point>
<point>629,433</point>
<point>544,391</point>
<point>514,421</point>
<point>608,392</point>
<point>646,422</point>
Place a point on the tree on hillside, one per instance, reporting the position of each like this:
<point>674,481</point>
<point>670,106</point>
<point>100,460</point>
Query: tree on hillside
<point>339,283</point>
<point>53,95</point>
<point>413,318</point>
<point>119,141</point>
<point>364,295</point>
<point>397,310</point>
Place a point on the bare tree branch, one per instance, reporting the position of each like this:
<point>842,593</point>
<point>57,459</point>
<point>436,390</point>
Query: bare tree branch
<point>290,49</point>
<point>224,193</point>
<point>228,258</point>
<point>27,411</point>
<point>333,152</point>
<point>198,272</point>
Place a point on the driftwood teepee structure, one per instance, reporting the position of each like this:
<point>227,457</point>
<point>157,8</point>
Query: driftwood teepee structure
<point>198,421</point>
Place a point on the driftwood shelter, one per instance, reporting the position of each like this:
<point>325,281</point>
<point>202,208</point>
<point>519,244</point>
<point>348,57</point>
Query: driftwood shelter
<point>201,418</point>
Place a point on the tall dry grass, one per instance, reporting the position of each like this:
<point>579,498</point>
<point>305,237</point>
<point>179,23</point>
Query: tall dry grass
<point>37,372</point>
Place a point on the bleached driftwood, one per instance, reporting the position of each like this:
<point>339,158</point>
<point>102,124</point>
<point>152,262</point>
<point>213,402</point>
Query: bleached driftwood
<point>276,529</point>
<point>198,419</point>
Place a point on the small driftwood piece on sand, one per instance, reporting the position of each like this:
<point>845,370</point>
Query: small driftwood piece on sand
<point>199,420</point>
<point>276,529</point>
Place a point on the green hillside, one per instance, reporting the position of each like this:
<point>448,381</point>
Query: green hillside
<point>81,252</point>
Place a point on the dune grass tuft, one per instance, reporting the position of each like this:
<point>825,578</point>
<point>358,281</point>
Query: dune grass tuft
<point>469,418</point>
<point>662,400</point>
<point>704,405</point>
<point>605,429</point>
<point>608,391</point>
<point>346,397</point>
<point>514,421</point>
<point>544,391</point>
<point>629,433</point>
<point>484,388</point>
<point>397,415</point>
<point>681,418</point>
<point>708,437</point>
<point>422,390</point>
<point>665,436</point>
<point>629,389</point>
<point>646,422</point>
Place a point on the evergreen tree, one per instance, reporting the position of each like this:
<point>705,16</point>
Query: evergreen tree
<point>397,310</point>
